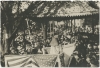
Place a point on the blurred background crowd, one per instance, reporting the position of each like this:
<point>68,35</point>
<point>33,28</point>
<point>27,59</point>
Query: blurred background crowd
<point>86,51</point>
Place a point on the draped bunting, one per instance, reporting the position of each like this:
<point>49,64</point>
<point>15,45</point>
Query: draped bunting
<point>40,60</point>
<point>36,60</point>
<point>68,51</point>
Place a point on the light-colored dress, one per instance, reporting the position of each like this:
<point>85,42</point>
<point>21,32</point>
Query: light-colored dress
<point>54,46</point>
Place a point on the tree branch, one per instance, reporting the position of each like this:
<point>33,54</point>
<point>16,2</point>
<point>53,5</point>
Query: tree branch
<point>41,8</point>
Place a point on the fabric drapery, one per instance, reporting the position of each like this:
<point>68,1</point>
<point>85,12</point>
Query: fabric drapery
<point>35,60</point>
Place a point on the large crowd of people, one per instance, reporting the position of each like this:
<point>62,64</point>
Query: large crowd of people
<point>35,43</point>
<point>86,53</point>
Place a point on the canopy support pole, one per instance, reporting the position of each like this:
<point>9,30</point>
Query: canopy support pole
<point>71,25</point>
<point>50,29</point>
<point>53,28</point>
<point>44,29</point>
<point>74,25</point>
<point>92,25</point>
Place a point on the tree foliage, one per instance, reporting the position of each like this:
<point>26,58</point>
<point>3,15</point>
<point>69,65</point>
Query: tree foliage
<point>12,21</point>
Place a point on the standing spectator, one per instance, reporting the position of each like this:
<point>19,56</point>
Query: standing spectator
<point>95,48</point>
<point>94,62</point>
<point>48,42</point>
<point>28,49</point>
<point>88,60</point>
<point>77,60</point>
<point>89,49</point>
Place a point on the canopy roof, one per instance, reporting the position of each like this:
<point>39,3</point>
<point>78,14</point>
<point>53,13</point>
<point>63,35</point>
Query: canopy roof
<point>64,9</point>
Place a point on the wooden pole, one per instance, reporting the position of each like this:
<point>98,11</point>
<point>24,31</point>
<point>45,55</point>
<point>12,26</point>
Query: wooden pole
<point>92,24</point>
<point>71,25</point>
<point>24,39</point>
<point>50,29</point>
<point>74,25</point>
<point>5,41</point>
<point>42,27</point>
<point>45,30</point>
<point>42,30</point>
<point>66,24</point>
<point>53,28</point>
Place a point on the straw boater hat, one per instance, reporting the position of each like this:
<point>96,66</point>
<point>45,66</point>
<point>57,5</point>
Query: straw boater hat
<point>54,42</point>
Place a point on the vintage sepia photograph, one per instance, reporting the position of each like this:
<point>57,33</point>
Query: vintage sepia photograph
<point>49,34</point>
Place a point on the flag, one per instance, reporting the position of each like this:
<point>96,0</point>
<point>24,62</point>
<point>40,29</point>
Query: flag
<point>35,60</point>
<point>46,60</point>
<point>68,51</point>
